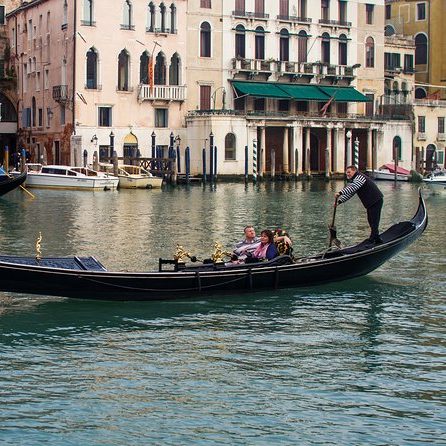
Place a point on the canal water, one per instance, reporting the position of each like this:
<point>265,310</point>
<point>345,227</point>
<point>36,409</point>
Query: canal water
<point>361,362</point>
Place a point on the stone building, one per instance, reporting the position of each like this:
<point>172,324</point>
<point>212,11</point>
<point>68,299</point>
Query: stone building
<point>302,81</point>
<point>423,21</point>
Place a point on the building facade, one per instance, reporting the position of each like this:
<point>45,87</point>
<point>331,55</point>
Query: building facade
<point>422,21</point>
<point>295,103</point>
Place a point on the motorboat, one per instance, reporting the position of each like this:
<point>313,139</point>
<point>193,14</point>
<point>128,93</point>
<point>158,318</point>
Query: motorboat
<point>68,177</point>
<point>436,181</point>
<point>133,177</point>
<point>88,278</point>
<point>11,182</point>
<point>387,172</point>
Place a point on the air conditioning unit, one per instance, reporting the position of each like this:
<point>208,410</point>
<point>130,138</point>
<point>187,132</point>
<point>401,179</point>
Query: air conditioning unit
<point>421,136</point>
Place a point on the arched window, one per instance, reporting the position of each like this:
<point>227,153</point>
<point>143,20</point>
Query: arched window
<point>205,40</point>
<point>302,50</point>
<point>144,68</point>
<point>260,43</point>
<point>174,70</point>
<point>420,93</point>
<point>9,113</point>
<point>230,148</point>
<point>92,69</point>
<point>397,148</point>
<point>151,17</point>
<point>369,52</point>
<point>127,15</point>
<point>88,12</point>
<point>395,87</point>
<point>284,45</point>
<point>163,17</point>
<point>325,48</point>
<point>173,19</point>
<point>342,49</point>
<point>160,69</point>
<point>420,49</point>
<point>240,41</point>
<point>389,30</point>
<point>123,71</point>
<point>405,91</point>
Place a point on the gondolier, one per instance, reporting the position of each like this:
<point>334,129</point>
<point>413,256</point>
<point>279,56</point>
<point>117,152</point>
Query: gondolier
<point>370,196</point>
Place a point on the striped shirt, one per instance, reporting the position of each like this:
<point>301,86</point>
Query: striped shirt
<point>367,190</point>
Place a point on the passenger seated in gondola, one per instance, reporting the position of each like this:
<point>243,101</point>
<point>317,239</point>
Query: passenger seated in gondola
<point>266,250</point>
<point>283,242</point>
<point>246,246</point>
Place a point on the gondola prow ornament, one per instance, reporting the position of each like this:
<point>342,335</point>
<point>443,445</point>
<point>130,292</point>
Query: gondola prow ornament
<point>219,254</point>
<point>181,255</point>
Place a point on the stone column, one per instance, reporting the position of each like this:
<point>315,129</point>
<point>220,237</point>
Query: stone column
<point>369,149</point>
<point>307,150</point>
<point>328,154</point>
<point>262,155</point>
<point>285,155</point>
<point>340,151</point>
<point>299,147</point>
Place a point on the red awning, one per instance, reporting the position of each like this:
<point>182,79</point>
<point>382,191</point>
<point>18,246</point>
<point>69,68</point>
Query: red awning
<point>391,168</point>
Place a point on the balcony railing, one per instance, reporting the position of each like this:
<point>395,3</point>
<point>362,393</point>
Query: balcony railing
<point>250,15</point>
<point>295,19</point>
<point>162,93</point>
<point>341,23</point>
<point>292,68</point>
<point>127,26</point>
<point>60,93</point>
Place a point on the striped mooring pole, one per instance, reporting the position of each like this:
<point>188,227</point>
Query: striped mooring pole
<point>356,153</point>
<point>254,160</point>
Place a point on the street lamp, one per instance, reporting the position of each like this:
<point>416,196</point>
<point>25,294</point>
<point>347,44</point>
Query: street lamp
<point>94,140</point>
<point>178,140</point>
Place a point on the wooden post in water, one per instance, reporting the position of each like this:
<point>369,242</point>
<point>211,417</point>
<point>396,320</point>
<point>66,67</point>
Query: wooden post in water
<point>395,159</point>
<point>95,161</point>
<point>187,163</point>
<point>115,163</point>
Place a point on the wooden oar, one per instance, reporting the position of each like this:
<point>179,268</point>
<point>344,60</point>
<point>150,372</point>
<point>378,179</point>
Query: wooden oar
<point>332,229</point>
<point>21,186</point>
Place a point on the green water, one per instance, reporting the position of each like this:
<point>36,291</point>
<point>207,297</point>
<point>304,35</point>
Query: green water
<point>358,362</point>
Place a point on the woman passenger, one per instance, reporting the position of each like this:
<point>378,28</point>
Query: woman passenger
<point>267,249</point>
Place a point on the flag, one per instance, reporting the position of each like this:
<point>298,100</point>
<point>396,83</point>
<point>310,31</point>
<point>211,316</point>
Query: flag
<point>324,109</point>
<point>150,73</point>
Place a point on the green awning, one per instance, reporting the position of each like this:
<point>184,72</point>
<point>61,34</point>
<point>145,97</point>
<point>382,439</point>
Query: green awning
<point>260,90</point>
<point>344,94</point>
<point>304,92</point>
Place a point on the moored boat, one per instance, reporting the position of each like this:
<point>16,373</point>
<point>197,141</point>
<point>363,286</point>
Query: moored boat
<point>68,177</point>
<point>133,177</point>
<point>10,182</point>
<point>436,181</point>
<point>387,172</point>
<point>87,278</point>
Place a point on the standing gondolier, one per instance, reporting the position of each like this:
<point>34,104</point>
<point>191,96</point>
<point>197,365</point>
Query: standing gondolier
<point>370,196</point>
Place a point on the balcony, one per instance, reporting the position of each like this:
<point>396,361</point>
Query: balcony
<point>162,93</point>
<point>294,19</point>
<point>60,93</point>
<point>338,23</point>
<point>127,27</point>
<point>250,15</point>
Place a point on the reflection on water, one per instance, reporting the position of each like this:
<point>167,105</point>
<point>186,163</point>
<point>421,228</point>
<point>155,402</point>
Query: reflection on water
<point>357,362</point>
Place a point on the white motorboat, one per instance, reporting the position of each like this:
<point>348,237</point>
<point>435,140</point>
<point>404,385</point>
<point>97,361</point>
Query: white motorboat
<point>387,172</point>
<point>68,177</point>
<point>436,181</point>
<point>133,177</point>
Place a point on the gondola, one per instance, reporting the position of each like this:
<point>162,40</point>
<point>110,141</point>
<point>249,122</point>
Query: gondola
<point>9,183</point>
<point>87,278</point>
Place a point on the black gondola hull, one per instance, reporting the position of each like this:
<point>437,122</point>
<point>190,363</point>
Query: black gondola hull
<point>7,183</point>
<point>86,278</point>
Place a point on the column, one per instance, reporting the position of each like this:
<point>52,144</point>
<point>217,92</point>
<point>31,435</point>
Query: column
<point>299,147</point>
<point>340,151</point>
<point>307,151</point>
<point>285,151</point>
<point>262,155</point>
<point>328,154</point>
<point>369,163</point>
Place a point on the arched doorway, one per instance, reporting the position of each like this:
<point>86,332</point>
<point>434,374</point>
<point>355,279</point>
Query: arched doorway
<point>431,157</point>
<point>130,147</point>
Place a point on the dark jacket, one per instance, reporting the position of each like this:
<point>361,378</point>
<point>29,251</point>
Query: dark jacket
<point>367,190</point>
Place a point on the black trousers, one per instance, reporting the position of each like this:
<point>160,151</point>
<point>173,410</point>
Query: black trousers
<point>373,217</point>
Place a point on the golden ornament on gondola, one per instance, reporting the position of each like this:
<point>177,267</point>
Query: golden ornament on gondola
<point>38,250</point>
<point>219,254</point>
